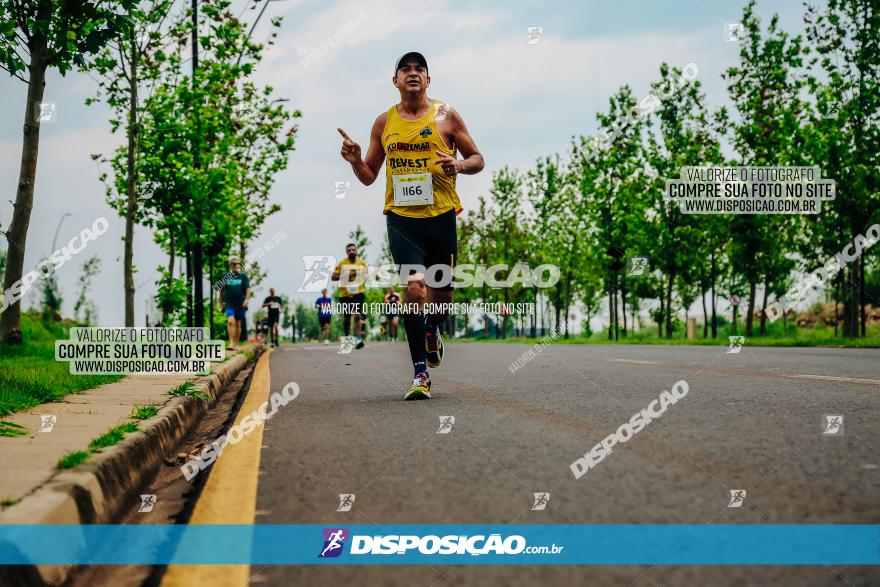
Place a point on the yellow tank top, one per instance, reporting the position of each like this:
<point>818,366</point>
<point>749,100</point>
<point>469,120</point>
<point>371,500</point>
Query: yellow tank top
<point>410,147</point>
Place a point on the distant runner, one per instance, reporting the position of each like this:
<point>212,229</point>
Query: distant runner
<point>324,305</point>
<point>420,137</point>
<point>352,274</point>
<point>274,304</point>
<point>392,298</point>
<point>233,299</point>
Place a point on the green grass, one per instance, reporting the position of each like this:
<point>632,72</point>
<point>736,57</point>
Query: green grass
<point>112,436</point>
<point>12,429</point>
<point>32,376</point>
<point>794,337</point>
<point>109,438</point>
<point>187,389</point>
<point>72,459</point>
<point>144,412</point>
<point>8,501</point>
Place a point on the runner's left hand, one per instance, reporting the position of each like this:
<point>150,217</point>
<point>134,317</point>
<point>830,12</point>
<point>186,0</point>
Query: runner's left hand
<point>449,164</point>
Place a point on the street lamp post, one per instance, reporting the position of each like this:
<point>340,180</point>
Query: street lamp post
<point>57,230</point>
<point>253,26</point>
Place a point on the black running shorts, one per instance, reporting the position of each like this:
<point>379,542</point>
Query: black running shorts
<point>353,304</point>
<point>423,241</point>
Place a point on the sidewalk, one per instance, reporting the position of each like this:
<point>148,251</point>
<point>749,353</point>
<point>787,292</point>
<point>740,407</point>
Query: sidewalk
<point>29,461</point>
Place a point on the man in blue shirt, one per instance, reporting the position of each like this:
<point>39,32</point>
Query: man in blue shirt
<point>323,304</point>
<point>234,297</point>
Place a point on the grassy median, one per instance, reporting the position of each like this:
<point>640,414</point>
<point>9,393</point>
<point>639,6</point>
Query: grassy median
<point>792,336</point>
<point>31,376</point>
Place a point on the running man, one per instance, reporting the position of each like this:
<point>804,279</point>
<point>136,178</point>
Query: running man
<point>392,299</point>
<point>420,136</point>
<point>274,304</point>
<point>352,292</point>
<point>233,300</point>
<point>324,305</point>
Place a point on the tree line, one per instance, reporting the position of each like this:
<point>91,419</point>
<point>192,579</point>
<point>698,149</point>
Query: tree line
<point>202,141</point>
<point>808,100</point>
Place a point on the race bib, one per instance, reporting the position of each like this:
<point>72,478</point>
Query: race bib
<point>352,289</point>
<point>413,190</point>
<point>275,305</point>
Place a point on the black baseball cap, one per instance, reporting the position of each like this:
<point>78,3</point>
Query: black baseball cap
<point>411,56</point>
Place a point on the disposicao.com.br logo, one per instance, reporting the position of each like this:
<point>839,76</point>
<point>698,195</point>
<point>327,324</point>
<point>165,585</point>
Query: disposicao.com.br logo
<point>431,544</point>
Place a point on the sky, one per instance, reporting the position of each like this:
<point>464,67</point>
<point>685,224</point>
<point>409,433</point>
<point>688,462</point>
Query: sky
<point>520,102</point>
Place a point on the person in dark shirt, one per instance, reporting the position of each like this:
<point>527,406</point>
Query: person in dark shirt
<point>392,299</point>
<point>234,298</point>
<point>323,305</point>
<point>274,304</point>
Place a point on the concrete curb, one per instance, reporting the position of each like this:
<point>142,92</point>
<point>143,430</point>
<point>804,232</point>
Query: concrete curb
<point>98,491</point>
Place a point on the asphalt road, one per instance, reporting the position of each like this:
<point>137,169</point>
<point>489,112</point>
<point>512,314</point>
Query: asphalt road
<point>750,421</point>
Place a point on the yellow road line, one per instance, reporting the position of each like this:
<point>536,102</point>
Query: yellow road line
<point>230,494</point>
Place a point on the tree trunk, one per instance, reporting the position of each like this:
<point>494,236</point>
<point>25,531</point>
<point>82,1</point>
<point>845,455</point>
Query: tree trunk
<point>534,317</point>
<point>610,312</point>
<point>669,305</point>
<point>189,284</point>
<point>504,318</point>
<point>662,314</point>
<point>166,310</point>
<point>751,312</point>
<point>198,279</point>
<point>862,314</point>
<point>131,196</point>
<point>836,301</point>
<point>623,300</point>
<point>705,316</point>
<point>16,236</point>
<point>211,298</point>
<point>558,306</point>
<point>616,309</point>
<point>847,305</point>
<point>763,322</point>
<point>712,281</point>
<point>171,254</point>
<point>197,249</point>
<point>566,309</point>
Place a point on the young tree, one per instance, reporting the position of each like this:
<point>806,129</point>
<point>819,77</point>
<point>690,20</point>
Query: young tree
<point>844,137</point>
<point>681,136</point>
<point>765,89</point>
<point>52,299</point>
<point>612,187</point>
<point>36,36</point>
<point>84,310</point>
<point>506,228</point>
<point>123,78</point>
<point>210,147</point>
<point>550,192</point>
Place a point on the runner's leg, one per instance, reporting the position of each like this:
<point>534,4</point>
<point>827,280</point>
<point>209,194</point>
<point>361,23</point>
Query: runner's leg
<point>414,323</point>
<point>442,253</point>
<point>437,297</point>
<point>236,330</point>
<point>231,331</point>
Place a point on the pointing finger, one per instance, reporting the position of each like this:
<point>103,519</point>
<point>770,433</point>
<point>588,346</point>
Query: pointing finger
<point>344,136</point>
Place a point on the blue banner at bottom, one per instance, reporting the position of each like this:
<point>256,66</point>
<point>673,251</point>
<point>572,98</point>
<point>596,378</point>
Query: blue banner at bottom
<point>433,544</point>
